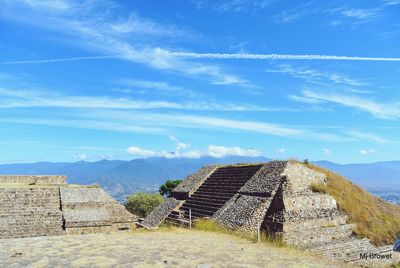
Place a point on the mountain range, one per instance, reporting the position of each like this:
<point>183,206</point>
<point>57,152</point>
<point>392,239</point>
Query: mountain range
<point>120,177</point>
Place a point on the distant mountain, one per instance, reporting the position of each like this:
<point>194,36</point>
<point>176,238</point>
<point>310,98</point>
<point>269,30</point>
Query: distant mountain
<point>380,176</point>
<point>120,178</point>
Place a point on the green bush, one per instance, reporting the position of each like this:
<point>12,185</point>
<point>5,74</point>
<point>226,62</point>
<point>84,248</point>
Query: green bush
<point>168,186</point>
<point>141,204</point>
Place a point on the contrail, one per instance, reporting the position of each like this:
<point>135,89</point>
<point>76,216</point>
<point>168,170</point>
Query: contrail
<point>58,60</point>
<point>244,56</point>
<point>237,56</point>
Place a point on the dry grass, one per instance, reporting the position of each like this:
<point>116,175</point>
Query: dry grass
<point>211,226</point>
<point>374,218</point>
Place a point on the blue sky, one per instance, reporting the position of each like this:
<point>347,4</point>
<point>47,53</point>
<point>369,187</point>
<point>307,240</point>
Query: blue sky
<point>87,80</point>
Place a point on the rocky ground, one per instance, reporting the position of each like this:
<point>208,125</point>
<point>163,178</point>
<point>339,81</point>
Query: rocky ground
<point>163,248</point>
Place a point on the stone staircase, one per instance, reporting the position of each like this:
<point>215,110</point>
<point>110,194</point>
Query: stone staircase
<point>218,188</point>
<point>30,212</point>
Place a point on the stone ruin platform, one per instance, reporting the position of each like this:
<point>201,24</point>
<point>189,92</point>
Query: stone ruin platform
<point>275,198</point>
<point>47,205</point>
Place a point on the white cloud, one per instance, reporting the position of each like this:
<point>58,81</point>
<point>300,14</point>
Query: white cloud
<point>212,151</point>
<point>93,25</point>
<point>362,15</point>
<point>392,2</point>
<point>18,99</point>
<point>327,152</point>
<point>157,86</point>
<point>379,110</point>
<point>137,151</point>
<point>235,5</point>
<point>367,151</point>
<point>281,151</point>
<point>79,157</point>
<point>246,56</point>
<point>368,137</point>
<point>221,151</point>
<point>314,75</point>
<point>137,25</point>
<point>179,145</point>
<point>50,5</point>
<point>304,99</point>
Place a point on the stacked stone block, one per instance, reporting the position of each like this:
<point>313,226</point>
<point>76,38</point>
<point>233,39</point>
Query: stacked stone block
<point>30,212</point>
<point>46,205</point>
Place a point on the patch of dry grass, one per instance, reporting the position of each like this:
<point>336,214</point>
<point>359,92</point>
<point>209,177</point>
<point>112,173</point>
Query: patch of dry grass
<point>212,226</point>
<point>374,218</point>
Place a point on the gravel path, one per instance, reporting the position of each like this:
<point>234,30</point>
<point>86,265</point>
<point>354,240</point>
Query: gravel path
<point>171,248</point>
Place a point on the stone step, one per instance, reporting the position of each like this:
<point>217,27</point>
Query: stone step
<point>222,198</point>
<point>210,206</point>
<point>216,192</point>
<point>200,201</point>
<point>224,183</point>
<point>218,188</point>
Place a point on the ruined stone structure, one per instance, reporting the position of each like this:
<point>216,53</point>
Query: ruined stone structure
<point>275,197</point>
<point>47,205</point>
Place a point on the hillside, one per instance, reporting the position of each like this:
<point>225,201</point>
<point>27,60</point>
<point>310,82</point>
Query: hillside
<point>374,218</point>
<point>379,176</point>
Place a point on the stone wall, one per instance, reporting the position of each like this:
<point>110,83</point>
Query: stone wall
<point>34,179</point>
<point>160,213</point>
<point>192,182</point>
<point>92,207</point>
<point>243,212</point>
<point>30,212</point>
<point>45,205</point>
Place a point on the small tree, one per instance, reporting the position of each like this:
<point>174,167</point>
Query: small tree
<point>141,204</point>
<point>168,186</point>
<point>306,162</point>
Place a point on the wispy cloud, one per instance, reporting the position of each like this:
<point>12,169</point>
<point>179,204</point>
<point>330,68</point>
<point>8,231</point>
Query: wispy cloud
<point>362,15</point>
<point>367,151</point>
<point>327,152</point>
<point>239,56</point>
<point>236,6</point>
<point>92,25</point>
<point>161,58</point>
<point>281,151</point>
<point>58,60</point>
<point>17,99</point>
<point>392,2</point>
<point>159,86</point>
<point>376,109</point>
<point>314,75</point>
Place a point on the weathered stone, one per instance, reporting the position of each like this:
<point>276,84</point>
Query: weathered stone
<point>275,197</point>
<point>159,214</point>
<point>192,182</point>
<point>45,205</point>
<point>34,179</point>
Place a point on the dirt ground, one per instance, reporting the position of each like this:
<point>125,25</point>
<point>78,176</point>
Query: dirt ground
<point>171,248</point>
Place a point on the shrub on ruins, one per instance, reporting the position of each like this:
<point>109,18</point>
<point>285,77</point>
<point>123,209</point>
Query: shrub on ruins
<point>168,186</point>
<point>141,204</point>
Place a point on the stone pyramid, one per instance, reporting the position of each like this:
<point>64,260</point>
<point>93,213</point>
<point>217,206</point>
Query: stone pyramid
<point>275,198</point>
